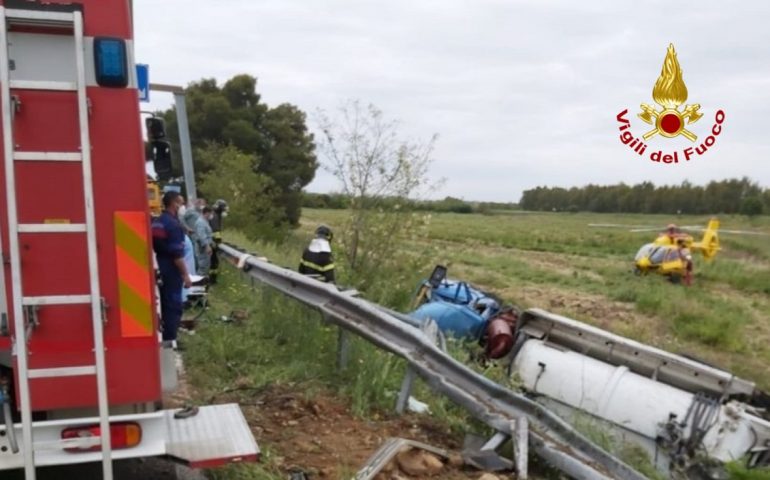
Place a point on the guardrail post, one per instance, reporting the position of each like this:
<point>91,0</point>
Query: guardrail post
<point>343,348</point>
<point>520,436</point>
<point>429,329</point>
<point>406,391</point>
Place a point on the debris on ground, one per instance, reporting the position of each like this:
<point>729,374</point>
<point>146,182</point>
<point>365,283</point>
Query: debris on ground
<point>404,459</point>
<point>416,463</point>
<point>400,457</point>
<point>320,436</point>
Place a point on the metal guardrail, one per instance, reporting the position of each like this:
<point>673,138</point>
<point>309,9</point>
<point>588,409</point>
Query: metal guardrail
<point>550,437</point>
<point>675,370</point>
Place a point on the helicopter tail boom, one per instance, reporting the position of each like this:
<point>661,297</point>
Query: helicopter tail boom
<point>709,245</point>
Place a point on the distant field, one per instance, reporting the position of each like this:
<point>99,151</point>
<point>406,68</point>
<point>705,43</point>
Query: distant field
<point>557,262</point>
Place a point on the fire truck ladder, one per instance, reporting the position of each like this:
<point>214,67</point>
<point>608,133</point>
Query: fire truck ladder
<point>68,20</point>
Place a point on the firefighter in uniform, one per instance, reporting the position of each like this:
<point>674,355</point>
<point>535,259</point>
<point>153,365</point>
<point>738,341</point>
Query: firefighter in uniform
<point>672,231</point>
<point>220,211</point>
<point>317,258</point>
<point>168,243</point>
<point>686,256</point>
<point>204,242</point>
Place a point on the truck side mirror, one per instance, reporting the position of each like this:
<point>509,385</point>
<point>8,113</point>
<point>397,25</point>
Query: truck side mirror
<point>160,152</point>
<point>156,128</point>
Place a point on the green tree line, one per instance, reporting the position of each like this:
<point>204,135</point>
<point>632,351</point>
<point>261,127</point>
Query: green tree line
<point>730,196</point>
<point>341,201</point>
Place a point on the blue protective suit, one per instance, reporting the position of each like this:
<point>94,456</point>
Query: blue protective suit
<point>203,238</point>
<point>189,261</point>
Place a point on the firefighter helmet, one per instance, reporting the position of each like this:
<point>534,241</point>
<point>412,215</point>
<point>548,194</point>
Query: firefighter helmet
<point>220,205</point>
<point>324,231</point>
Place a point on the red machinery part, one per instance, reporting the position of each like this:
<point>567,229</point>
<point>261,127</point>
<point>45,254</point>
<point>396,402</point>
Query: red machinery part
<point>499,337</point>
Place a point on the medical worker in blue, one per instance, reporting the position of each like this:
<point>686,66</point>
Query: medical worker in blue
<point>168,243</point>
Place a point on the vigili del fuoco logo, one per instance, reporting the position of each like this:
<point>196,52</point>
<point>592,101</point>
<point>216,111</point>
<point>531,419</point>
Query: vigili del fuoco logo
<point>670,121</point>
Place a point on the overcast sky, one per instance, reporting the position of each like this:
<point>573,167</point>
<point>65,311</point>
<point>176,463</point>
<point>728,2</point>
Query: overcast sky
<point>521,93</point>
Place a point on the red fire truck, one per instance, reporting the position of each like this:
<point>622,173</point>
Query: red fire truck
<point>80,356</point>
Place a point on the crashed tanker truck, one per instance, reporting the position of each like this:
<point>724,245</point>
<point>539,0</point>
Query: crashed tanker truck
<point>80,355</point>
<point>690,417</point>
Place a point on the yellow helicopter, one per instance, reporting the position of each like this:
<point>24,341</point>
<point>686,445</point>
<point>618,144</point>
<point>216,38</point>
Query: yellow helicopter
<point>671,253</point>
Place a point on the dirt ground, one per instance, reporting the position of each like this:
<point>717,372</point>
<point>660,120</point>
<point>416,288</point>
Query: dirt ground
<point>320,437</point>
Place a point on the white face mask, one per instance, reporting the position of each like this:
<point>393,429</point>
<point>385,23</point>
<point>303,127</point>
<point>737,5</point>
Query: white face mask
<point>182,210</point>
<point>224,214</point>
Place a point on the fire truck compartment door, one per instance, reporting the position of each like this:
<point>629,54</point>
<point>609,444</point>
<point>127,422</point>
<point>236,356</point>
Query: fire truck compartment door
<point>42,57</point>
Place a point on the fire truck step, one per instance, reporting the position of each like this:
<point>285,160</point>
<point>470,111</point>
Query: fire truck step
<point>49,156</point>
<point>210,436</point>
<point>52,227</point>
<point>56,300</point>
<point>44,85</point>
<point>62,371</point>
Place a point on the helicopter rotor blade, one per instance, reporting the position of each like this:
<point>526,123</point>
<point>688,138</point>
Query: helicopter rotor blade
<point>606,225</point>
<point>721,230</point>
<point>662,228</point>
<point>631,228</point>
<point>620,225</point>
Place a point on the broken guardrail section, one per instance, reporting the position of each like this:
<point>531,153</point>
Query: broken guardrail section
<point>550,437</point>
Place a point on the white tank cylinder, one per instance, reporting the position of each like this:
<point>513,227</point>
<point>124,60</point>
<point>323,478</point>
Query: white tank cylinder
<point>613,393</point>
<point>631,401</point>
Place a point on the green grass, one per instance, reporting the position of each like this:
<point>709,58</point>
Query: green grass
<point>723,318</point>
<point>738,471</point>
<point>247,472</point>
<point>602,435</point>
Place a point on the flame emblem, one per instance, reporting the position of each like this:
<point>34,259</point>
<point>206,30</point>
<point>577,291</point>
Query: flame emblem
<point>670,92</point>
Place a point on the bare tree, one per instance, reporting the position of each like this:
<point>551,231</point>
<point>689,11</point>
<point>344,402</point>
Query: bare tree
<point>382,174</point>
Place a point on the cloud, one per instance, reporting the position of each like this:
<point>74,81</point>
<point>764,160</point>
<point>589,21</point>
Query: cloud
<point>522,93</point>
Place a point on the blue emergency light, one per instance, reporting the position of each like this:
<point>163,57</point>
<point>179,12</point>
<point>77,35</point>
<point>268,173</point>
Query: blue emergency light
<point>110,62</point>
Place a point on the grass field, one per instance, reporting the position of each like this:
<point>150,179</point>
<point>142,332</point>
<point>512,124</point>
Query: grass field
<point>552,261</point>
<point>557,262</point>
